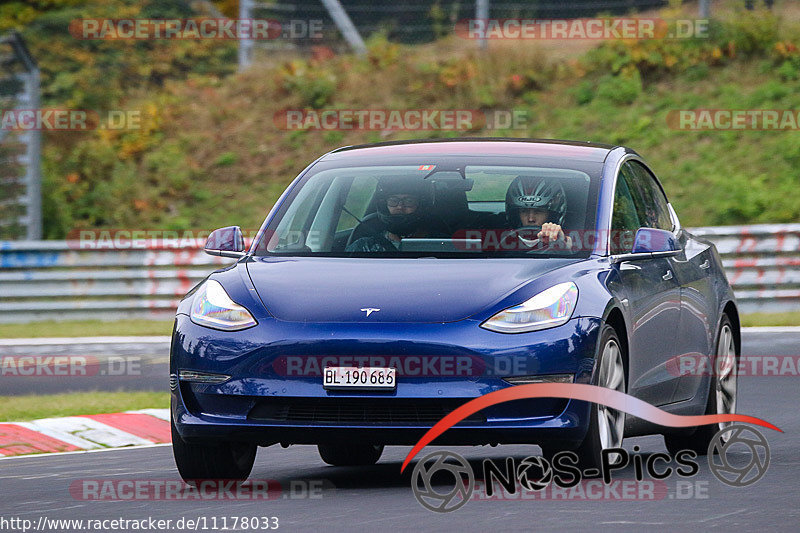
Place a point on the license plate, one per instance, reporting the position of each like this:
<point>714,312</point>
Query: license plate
<point>371,378</point>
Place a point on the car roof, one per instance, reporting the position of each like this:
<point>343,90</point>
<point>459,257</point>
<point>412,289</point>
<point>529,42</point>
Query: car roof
<point>582,150</point>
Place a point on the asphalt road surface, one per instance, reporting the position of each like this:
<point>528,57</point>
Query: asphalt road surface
<point>314,497</point>
<point>85,364</point>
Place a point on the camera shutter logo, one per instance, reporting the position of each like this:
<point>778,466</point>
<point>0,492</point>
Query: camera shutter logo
<point>534,473</point>
<point>726,468</point>
<point>460,472</point>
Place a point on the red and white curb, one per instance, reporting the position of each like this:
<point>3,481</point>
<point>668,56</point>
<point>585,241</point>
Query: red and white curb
<point>84,433</point>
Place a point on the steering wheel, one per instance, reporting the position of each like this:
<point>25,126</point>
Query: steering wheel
<point>537,244</point>
<point>523,235</point>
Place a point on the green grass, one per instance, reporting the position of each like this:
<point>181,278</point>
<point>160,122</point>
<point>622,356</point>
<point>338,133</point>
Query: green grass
<point>32,407</point>
<point>771,319</point>
<point>86,328</point>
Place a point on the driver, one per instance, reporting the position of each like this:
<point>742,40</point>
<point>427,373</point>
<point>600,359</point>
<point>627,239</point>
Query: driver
<point>535,208</point>
<point>401,212</point>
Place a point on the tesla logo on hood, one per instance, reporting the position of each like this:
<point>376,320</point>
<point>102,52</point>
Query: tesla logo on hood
<point>370,310</point>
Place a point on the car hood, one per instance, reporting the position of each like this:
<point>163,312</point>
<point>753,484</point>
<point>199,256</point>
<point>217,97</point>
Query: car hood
<point>404,290</point>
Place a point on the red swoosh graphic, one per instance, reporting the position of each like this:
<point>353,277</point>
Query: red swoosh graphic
<point>575,391</point>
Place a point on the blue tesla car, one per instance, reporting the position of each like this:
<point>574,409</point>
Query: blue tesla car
<point>393,282</point>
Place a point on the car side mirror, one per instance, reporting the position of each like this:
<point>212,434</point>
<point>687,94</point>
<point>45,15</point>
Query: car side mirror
<point>225,242</point>
<point>654,241</point>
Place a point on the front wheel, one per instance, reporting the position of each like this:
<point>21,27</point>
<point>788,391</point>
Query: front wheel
<point>227,460</point>
<point>606,425</point>
<point>721,396</point>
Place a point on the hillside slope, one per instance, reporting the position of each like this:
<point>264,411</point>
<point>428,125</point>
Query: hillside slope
<point>212,154</point>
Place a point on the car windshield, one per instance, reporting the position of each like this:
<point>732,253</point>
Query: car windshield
<point>442,209</point>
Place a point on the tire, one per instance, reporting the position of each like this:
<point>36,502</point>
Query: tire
<point>606,426</point>
<point>230,460</point>
<point>350,454</point>
<point>721,395</point>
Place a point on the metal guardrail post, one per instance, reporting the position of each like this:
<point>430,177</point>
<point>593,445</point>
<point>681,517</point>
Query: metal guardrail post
<point>482,13</point>
<point>33,173</point>
<point>245,43</point>
<point>20,66</point>
<point>705,9</point>
<point>346,26</point>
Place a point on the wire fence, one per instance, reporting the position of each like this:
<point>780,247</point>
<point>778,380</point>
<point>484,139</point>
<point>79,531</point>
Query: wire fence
<point>410,22</point>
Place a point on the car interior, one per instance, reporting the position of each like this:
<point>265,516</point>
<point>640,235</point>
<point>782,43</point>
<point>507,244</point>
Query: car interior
<point>453,209</point>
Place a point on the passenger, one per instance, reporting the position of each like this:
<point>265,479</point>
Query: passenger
<point>402,212</point>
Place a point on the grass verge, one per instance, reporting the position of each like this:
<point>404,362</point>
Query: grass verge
<point>86,328</point>
<point>791,318</point>
<point>34,406</point>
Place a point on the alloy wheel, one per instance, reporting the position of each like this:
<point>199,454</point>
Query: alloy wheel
<point>726,382</point>
<point>611,422</point>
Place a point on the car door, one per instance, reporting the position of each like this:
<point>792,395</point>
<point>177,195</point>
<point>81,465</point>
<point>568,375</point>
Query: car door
<point>697,328</point>
<point>691,267</point>
<point>651,293</point>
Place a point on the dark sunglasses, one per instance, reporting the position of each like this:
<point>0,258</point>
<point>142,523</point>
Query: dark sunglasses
<point>395,201</point>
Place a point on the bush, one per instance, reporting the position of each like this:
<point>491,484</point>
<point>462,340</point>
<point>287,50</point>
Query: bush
<point>226,159</point>
<point>698,72</point>
<point>622,90</point>
<point>787,55</point>
<point>91,74</point>
<point>313,85</point>
<point>788,71</point>
<point>751,32</point>
<point>583,92</point>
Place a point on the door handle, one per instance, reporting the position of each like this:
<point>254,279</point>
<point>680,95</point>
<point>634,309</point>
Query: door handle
<point>667,276</point>
<point>705,264</point>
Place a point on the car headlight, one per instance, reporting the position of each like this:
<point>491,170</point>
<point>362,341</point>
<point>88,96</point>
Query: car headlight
<point>547,309</point>
<point>213,308</point>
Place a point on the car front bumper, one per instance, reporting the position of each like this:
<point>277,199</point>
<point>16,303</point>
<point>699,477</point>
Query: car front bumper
<point>275,392</point>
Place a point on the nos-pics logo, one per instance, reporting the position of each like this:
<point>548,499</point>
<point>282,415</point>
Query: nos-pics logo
<point>444,481</point>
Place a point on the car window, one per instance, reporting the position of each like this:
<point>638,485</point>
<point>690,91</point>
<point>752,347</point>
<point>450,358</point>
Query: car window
<point>333,212</point>
<point>651,204</point>
<point>492,182</point>
<point>625,220</point>
<point>355,205</point>
<point>295,229</point>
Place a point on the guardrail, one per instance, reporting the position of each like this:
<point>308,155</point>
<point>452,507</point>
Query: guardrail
<point>762,263</point>
<point>55,280</point>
